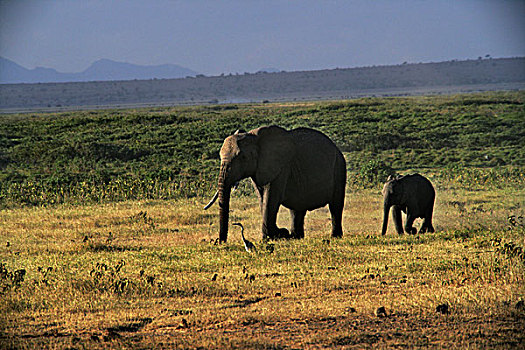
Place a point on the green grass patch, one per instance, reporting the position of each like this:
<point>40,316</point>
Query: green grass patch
<point>170,153</point>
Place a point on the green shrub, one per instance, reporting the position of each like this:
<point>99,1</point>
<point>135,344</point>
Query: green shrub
<point>372,174</point>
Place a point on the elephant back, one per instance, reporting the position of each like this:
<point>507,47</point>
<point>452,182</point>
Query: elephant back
<point>315,147</point>
<point>311,136</point>
<point>419,182</point>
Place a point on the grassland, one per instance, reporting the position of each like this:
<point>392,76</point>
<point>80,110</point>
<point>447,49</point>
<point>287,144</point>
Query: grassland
<point>90,259</point>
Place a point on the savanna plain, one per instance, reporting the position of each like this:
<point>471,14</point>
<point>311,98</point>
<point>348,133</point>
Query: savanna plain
<point>104,242</point>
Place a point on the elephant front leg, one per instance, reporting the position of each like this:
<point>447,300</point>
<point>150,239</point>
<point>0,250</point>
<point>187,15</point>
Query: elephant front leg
<point>270,207</point>
<point>396,217</point>
<point>260,195</point>
<point>297,223</point>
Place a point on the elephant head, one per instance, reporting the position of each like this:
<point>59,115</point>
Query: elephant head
<point>393,195</point>
<point>259,154</point>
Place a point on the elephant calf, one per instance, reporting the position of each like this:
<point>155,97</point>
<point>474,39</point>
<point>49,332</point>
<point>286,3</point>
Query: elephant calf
<point>301,169</point>
<point>410,194</point>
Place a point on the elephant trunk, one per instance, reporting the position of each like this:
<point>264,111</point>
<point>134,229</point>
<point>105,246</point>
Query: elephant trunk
<point>386,211</point>
<point>224,202</point>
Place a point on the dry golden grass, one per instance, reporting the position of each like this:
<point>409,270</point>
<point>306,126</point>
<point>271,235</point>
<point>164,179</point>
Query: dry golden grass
<point>148,275</point>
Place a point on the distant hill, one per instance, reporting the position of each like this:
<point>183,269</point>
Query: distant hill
<point>400,80</point>
<point>269,70</point>
<point>101,70</point>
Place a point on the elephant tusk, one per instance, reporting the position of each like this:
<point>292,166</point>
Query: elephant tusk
<point>216,195</point>
<point>210,203</point>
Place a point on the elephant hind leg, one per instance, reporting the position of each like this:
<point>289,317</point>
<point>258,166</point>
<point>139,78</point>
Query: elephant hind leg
<point>336,205</point>
<point>336,210</point>
<point>427,225</point>
<point>427,222</point>
<point>409,222</point>
<point>424,226</point>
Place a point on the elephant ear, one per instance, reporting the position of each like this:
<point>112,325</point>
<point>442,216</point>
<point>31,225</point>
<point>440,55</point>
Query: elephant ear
<point>402,188</point>
<point>276,150</point>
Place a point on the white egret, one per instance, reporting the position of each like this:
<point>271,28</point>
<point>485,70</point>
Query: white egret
<point>249,246</point>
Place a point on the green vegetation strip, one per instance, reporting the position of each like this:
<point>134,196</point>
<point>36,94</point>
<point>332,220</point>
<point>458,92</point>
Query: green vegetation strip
<point>169,153</point>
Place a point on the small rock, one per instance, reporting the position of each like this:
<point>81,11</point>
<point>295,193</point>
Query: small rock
<point>184,323</point>
<point>214,278</point>
<point>277,294</point>
<point>351,310</point>
<point>381,312</point>
<point>76,339</point>
<point>111,335</point>
<point>443,309</point>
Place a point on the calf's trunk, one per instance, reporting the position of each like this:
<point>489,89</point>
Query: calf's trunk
<point>386,211</point>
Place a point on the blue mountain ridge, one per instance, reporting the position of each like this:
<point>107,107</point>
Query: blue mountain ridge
<point>101,70</point>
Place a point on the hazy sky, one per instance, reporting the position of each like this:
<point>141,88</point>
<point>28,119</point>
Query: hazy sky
<point>214,36</point>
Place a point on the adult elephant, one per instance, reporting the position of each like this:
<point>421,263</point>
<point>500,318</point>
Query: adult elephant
<point>301,169</point>
<point>410,194</point>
